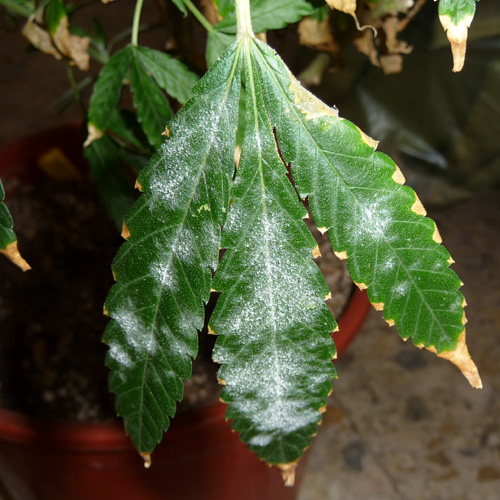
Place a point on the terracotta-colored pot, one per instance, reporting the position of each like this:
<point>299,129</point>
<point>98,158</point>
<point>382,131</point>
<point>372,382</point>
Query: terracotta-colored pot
<point>200,457</point>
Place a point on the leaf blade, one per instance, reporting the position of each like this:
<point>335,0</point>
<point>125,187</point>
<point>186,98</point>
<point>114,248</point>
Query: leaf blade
<point>272,322</point>
<point>269,15</point>
<point>357,194</point>
<point>8,238</point>
<point>169,73</point>
<point>456,17</point>
<point>107,92</point>
<point>163,271</point>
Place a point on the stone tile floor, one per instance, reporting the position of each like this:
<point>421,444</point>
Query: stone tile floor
<point>401,423</point>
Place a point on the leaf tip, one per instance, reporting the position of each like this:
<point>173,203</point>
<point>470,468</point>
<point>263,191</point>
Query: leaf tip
<point>368,140</point>
<point>361,286</point>
<point>461,358</point>
<point>379,306</point>
<point>437,236</point>
<point>341,255</point>
<point>417,207</point>
<point>398,176</point>
<point>457,36</point>
<point>147,459</point>
<point>125,231</point>
<point>138,185</point>
<point>12,253</point>
<point>316,252</point>
<point>288,472</point>
<point>93,134</point>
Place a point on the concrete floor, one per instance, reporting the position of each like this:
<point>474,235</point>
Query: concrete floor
<point>401,423</point>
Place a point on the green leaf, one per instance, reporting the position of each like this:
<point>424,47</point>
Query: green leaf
<point>224,6</point>
<point>7,235</point>
<point>217,43</point>
<point>372,219</point>
<point>110,175</point>
<point>457,10</point>
<point>169,73</point>
<point>271,318</point>
<point>269,15</point>
<point>8,239</point>
<point>456,17</point>
<point>54,13</point>
<point>164,270</point>
<point>108,90</point>
<point>180,5</point>
<point>153,109</point>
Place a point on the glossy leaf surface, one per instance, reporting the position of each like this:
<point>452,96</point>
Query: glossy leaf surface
<point>271,318</point>
<point>164,270</point>
<point>8,239</point>
<point>357,194</point>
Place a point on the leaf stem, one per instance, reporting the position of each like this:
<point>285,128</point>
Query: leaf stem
<point>17,8</point>
<point>135,23</point>
<point>75,88</point>
<point>243,19</point>
<point>201,18</point>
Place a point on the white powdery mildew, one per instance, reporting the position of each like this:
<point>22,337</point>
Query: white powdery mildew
<point>119,354</point>
<point>273,405</point>
<point>283,300</point>
<point>163,273</point>
<point>375,219</point>
<point>184,244</point>
<point>136,334</point>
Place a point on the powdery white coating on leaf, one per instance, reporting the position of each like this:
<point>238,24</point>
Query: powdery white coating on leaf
<point>164,274</point>
<point>137,336</point>
<point>119,354</point>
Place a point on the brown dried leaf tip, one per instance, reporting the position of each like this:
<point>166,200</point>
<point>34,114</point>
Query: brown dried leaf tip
<point>147,459</point>
<point>12,253</point>
<point>457,35</point>
<point>460,357</point>
<point>288,472</point>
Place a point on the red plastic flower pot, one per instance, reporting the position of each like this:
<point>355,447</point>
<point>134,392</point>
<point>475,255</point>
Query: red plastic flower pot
<point>200,457</point>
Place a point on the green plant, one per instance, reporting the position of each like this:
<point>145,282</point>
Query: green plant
<point>293,154</point>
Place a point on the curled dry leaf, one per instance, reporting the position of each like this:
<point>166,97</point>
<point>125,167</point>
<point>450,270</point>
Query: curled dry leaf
<point>316,34</point>
<point>349,7</point>
<point>61,44</point>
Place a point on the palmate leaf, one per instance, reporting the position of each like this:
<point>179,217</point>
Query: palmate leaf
<point>8,239</point>
<point>153,109</point>
<point>456,17</point>
<point>164,270</point>
<point>273,326</point>
<point>271,318</point>
<point>269,15</point>
<point>149,71</point>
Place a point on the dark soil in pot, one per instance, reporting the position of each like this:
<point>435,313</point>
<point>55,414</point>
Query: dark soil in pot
<point>51,354</point>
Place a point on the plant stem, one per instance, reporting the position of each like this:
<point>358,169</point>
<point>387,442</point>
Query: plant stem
<point>74,86</point>
<point>135,23</point>
<point>201,18</point>
<point>243,19</point>
<point>18,9</point>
